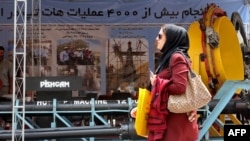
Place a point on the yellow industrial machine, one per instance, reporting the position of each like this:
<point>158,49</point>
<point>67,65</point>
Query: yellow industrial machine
<point>215,49</point>
<point>217,54</point>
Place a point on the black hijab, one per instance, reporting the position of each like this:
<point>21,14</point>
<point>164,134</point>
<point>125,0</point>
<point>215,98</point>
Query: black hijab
<point>177,40</point>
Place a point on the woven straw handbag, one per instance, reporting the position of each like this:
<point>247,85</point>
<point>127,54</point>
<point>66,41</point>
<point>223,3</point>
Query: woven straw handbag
<point>196,96</point>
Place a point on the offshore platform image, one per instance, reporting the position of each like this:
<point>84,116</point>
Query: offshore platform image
<point>127,65</point>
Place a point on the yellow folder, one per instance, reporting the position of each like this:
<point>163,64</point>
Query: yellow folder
<point>143,106</point>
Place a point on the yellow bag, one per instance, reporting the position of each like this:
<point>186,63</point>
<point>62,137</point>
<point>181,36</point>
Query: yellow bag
<point>143,106</point>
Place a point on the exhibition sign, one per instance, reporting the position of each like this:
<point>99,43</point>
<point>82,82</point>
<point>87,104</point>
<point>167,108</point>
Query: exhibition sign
<point>110,44</point>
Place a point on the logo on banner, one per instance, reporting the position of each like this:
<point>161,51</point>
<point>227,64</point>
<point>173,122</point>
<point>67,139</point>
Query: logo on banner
<point>54,84</point>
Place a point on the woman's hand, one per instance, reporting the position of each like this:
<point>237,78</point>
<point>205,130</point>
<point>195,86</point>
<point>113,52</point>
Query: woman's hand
<point>152,77</point>
<point>133,112</point>
<point>192,116</point>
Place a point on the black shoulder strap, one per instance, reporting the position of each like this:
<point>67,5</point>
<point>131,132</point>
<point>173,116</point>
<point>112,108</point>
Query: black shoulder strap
<point>188,65</point>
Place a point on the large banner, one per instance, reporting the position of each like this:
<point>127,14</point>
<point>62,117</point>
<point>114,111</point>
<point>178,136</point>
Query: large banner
<point>119,11</point>
<point>110,44</point>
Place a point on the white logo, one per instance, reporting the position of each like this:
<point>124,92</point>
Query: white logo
<point>54,84</point>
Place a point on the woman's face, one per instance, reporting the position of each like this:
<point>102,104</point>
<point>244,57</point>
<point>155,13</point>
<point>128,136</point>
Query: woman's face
<point>160,39</point>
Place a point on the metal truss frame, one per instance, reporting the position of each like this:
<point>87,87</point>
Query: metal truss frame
<point>19,63</point>
<point>59,111</point>
<point>224,95</point>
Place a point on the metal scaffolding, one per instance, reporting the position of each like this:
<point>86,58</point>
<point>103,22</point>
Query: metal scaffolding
<point>19,62</point>
<point>35,28</point>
